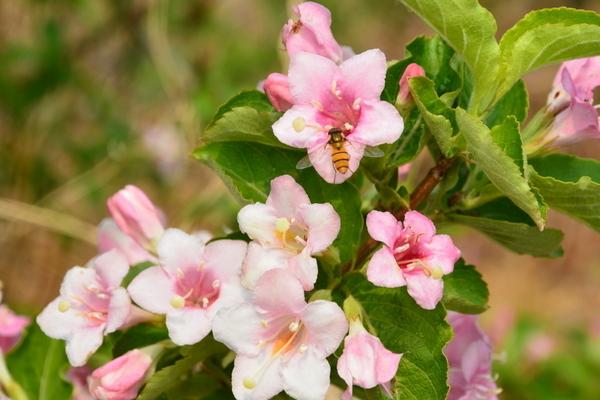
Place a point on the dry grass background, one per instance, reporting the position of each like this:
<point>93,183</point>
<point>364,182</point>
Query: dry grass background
<point>33,259</point>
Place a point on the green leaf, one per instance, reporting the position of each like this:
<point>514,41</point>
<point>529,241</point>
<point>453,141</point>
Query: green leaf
<point>134,271</point>
<point>392,79</point>
<point>248,168</point>
<point>569,184</point>
<point>171,377</point>
<point>506,135</point>
<point>139,336</point>
<point>437,115</point>
<point>404,327</point>
<point>410,143</point>
<point>499,167</point>
<point>517,236</point>
<point>434,55</point>
<point>515,103</point>
<point>39,365</point>
<point>464,290</point>
<point>470,30</point>
<point>544,37</point>
<point>247,117</point>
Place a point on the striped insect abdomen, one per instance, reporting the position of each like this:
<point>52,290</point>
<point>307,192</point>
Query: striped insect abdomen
<point>340,159</point>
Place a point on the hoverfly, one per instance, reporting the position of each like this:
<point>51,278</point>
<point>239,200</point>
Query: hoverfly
<point>340,157</point>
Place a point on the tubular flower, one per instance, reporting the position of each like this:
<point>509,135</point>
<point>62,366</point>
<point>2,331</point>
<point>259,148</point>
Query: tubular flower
<point>365,362</point>
<point>412,255</point>
<point>121,378</point>
<point>136,216</point>
<point>111,237</point>
<point>571,100</point>
<point>470,357</point>
<point>337,111</point>
<point>191,284</point>
<point>287,230</point>
<point>411,71</point>
<point>11,328</point>
<point>311,32</point>
<point>281,341</point>
<point>91,304</point>
<point>277,89</point>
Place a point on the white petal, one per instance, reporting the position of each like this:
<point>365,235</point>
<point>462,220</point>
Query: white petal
<point>238,327</point>
<point>188,325</point>
<point>262,371</point>
<point>179,250</point>
<point>83,344</point>
<point>306,376</point>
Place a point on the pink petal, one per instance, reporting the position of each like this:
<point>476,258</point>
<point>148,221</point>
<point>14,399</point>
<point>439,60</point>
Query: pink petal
<point>260,260</point>
<point>576,123</point>
<point>188,325</point>
<point>310,77</point>
<point>379,123</point>
<point>258,221</point>
<point>298,127</point>
<point>363,76</point>
<point>418,224</point>
<point>443,253</point>
<point>111,267</point>
<point>426,291</point>
<point>247,369</point>
<point>383,227</point>
<point>286,196</point>
<point>305,269</point>
<point>343,370</point>
<point>306,376</point>
<point>326,323</point>
<point>225,257</point>
<point>239,328</point>
<point>323,224</point>
<point>111,237</point>
<point>179,250</point>
<point>279,292</point>
<point>277,89</point>
<point>152,289</point>
<point>119,309</point>
<point>321,160</point>
<point>387,364</point>
<point>83,344</point>
<point>584,74</point>
<point>384,271</point>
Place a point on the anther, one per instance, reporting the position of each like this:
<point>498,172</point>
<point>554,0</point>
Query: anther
<point>436,272</point>
<point>264,323</point>
<point>348,126</point>
<point>204,302</point>
<point>282,225</point>
<point>216,284</point>
<point>303,348</point>
<point>177,301</point>
<point>402,249</point>
<point>249,383</point>
<point>294,326</point>
<point>356,104</point>
<point>63,306</point>
<point>299,124</point>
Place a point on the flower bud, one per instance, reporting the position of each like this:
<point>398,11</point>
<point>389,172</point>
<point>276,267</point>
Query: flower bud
<point>365,362</point>
<point>121,378</point>
<point>136,216</point>
<point>411,71</point>
<point>11,328</point>
<point>277,89</point>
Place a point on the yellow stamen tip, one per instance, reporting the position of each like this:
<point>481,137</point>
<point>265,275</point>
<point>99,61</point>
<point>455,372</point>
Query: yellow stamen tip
<point>249,383</point>
<point>64,306</point>
<point>437,273</point>
<point>282,225</point>
<point>177,302</point>
<point>299,124</point>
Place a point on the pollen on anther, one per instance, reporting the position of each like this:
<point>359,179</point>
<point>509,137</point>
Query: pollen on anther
<point>294,326</point>
<point>356,103</point>
<point>216,283</point>
<point>282,225</point>
<point>264,323</point>
<point>403,248</point>
<point>63,306</point>
<point>177,301</point>
<point>205,302</point>
<point>303,348</point>
<point>299,124</point>
<point>249,383</point>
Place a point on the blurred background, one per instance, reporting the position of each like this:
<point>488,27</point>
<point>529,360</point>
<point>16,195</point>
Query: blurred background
<point>98,94</point>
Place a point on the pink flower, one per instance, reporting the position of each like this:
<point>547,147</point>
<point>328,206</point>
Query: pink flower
<point>136,216</point>
<point>571,100</point>
<point>411,71</point>
<point>281,341</point>
<point>191,284</point>
<point>365,362</point>
<point>11,328</point>
<point>287,231</point>
<point>91,304</point>
<point>111,237</point>
<point>346,97</point>
<point>277,88</point>
<point>470,357</point>
<point>412,255</point>
<point>311,32</point>
<point>78,377</point>
<point>121,378</point>
<point>403,171</point>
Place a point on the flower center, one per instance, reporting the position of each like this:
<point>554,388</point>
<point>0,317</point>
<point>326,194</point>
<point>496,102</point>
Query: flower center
<point>410,259</point>
<point>195,288</point>
<point>91,301</point>
<point>290,234</point>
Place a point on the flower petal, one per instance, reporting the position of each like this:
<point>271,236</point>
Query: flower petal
<point>323,224</point>
<point>57,324</point>
<point>383,227</point>
<point>111,237</point>
<point>310,76</point>
<point>225,257</point>
<point>326,323</point>
<point>152,289</point>
<point>260,260</point>
<point>83,344</point>
<point>258,221</point>
<point>320,157</point>
<point>279,292</point>
<point>179,250</point>
<point>418,224</point>
<point>260,371</point>
<point>305,269</point>
<point>576,123</point>
<point>384,271</point>
<point>239,328</point>
<point>306,376</point>
<point>426,291</point>
<point>188,325</point>
<point>111,267</point>
<point>443,253</point>
<point>119,309</point>
<point>298,127</point>
<point>379,123</point>
<point>286,196</point>
<point>363,75</point>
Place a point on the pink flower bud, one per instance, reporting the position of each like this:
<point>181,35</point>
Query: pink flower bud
<point>11,328</point>
<point>311,32</point>
<point>277,88</point>
<point>136,216</point>
<point>365,362</point>
<point>121,378</point>
<point>411,71</point>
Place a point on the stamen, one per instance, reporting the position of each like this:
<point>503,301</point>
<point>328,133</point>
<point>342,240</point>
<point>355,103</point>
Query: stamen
<point>64,306</point>
<point>216,284</point>
<point>402,249</point>
<point>300,240</point>
<point>282,225</point>
<point>249,383</point>
<point>264,323</point>
<point>205,302</point>
<point>317,104</point>
<point>336,92</point>
<point>294,326</point>
<point>177,301</point>
<point>180,273</point>
<point>299,124</point>
<point>356,104</point>
<point>436,272</point>
<point>303,348</point>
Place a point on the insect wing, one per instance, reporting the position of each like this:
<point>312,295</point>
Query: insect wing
<point>373,152</point>
<point>304,163</point>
